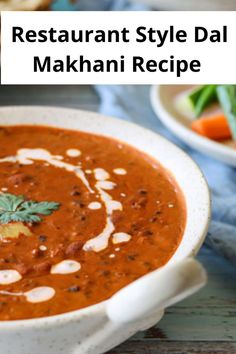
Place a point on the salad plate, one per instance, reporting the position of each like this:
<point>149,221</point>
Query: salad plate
<point>164,100</point>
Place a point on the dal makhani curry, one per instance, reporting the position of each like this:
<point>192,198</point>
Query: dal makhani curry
<point>81,216</point>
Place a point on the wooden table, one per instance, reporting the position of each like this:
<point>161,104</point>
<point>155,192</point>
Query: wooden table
<point>202,324</point>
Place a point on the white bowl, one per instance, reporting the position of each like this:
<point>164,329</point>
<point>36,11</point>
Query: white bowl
<point>100,327</point>
<point>191,5</point>
<point>162,99</point>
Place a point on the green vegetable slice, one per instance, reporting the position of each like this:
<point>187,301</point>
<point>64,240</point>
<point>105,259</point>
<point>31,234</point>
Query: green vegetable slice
<point>202,97</point>
<point>227,97</point>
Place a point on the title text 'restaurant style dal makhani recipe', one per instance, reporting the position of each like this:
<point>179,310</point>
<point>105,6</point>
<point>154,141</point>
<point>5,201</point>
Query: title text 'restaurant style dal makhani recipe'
<point>81,216</point>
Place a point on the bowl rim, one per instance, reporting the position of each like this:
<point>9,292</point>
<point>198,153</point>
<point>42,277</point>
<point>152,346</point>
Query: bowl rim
<point>53,112</point>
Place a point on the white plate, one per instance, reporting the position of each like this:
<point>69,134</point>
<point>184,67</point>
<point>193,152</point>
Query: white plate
<point>162,99</point>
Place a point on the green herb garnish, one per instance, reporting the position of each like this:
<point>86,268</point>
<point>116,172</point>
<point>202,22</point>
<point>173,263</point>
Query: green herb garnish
<point>16,208</point>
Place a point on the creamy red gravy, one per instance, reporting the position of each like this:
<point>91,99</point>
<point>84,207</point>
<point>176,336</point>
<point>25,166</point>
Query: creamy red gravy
<point>121,215</point>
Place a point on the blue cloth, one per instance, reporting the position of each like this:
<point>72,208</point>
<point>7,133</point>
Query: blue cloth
<point>109,5</point>
<point>132,103</point>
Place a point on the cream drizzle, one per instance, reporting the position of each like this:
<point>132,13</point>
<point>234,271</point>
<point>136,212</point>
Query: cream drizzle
<point>94,205</point>
<point>40,294</point>
<point>65,267</point>
<point>120,171</point>
<point>9,276</point>
<point>110,204</point>
<point>43,248</point>
<point>36,295</point>
<point>27,156</point>
<point>108,185</point>
<point>120,237</point>
<point>114,205</point>
<point>73,152</point>
<point>100,242</point>
<point>100,174</point>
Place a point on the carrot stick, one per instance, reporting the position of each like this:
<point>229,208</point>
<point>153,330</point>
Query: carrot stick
<point>213,127</point>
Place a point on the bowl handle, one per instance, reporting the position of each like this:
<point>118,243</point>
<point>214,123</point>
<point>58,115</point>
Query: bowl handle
<point>156,291</point>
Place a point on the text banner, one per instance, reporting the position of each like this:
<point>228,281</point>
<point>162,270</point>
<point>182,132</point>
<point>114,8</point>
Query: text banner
<point>118,47</point>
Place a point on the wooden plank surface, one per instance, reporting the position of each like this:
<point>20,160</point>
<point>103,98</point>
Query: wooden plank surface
<point>82,97</point>
<point>206,322</point>
<point>166,347</point>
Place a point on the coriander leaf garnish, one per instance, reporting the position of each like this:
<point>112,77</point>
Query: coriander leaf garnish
<point>16,208</point>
